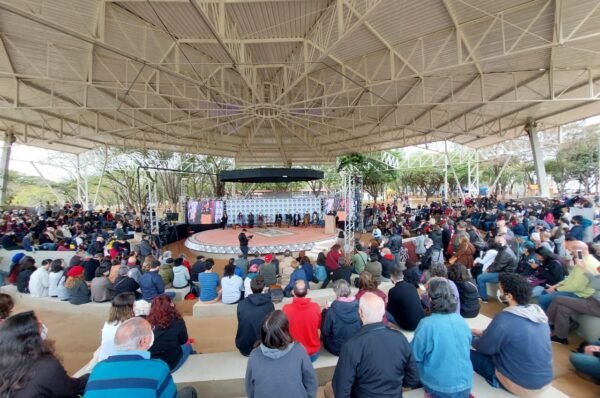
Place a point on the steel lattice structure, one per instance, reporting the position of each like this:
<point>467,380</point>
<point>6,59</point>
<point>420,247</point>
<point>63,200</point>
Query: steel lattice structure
<point>292,81</point>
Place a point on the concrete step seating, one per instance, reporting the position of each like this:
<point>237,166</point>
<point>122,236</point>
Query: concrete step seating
<point>54,304</point>
<point>319,296</point>
<point>39,256</point>
<point>221,375</point>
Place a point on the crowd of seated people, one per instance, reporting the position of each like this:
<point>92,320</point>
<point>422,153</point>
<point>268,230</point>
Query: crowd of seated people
<point>431,296</point>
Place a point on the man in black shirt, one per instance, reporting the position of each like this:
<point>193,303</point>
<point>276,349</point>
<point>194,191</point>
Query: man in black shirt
<point>244,240</point>
<point>404,303</point>
<point>251,313</point>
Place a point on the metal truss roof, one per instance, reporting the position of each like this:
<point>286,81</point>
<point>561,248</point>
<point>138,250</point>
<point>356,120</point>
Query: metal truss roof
<point>293,81</point>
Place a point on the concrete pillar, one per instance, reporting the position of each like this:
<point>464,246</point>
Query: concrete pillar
<point>9,139</point>
<point>538,158</point>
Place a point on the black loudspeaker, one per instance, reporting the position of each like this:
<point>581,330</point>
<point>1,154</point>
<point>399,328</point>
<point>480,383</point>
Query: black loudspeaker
<point>172,216</point>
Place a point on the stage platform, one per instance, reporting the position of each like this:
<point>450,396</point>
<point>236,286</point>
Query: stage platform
<point>265,240</point>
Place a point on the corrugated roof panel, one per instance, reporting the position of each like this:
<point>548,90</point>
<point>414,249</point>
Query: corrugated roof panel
<point>275,20</point>
<point>399,21</point>
<point>180,19</point>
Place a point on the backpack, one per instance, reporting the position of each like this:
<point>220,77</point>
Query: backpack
<point>321,273</point>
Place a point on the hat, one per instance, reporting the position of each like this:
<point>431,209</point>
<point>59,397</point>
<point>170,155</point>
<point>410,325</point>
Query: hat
<point>17,257</point>
<point>253,268</point>
<point>75,271</point>
<point>269,258</point>
<point>535,236</point>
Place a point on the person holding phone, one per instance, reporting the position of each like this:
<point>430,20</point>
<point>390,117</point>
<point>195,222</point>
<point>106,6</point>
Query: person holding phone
<point>576,285</point>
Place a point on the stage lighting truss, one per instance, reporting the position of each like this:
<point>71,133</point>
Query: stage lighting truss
<point>351,196</point>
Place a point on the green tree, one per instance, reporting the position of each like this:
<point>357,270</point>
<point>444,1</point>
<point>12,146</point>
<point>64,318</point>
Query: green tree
<point>376,174</point>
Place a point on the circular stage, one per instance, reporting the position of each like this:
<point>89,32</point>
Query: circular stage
<point>265,240</point>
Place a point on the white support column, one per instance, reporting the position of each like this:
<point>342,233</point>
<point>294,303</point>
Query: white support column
<point>9,139</point>
<point>477,172</point>
<point>445,171</point>
<point>538,158</point>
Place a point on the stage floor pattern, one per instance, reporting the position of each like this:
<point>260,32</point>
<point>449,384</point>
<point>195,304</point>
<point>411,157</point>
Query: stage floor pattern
<point>265,240</point>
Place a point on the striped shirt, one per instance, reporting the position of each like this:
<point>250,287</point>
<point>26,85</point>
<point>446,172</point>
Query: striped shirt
<point>131,374</point>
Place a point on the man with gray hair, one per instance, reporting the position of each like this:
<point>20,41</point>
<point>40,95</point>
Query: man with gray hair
<point>130,371</point>
<point>377,362</point>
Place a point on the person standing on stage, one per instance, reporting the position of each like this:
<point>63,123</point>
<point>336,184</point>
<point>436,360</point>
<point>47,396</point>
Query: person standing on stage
<point>224,220</point>
<point>244,240</point>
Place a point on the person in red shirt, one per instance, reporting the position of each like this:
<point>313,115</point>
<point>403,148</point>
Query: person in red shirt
<point>305,320</point>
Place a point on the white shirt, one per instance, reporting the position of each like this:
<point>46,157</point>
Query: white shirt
<point>38,283</point>
<point>247,288</point>
<point>231,288</point>
<point>107,346</point>
<point>53,281</point>
<point>181,276</point>
<point>488,259</point>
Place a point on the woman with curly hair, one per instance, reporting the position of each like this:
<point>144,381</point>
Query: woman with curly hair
<point>170,333</point>
<point>28,366</point>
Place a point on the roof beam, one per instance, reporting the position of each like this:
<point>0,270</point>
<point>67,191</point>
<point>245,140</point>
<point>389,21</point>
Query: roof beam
<point>4,5</point>
<point>236,52</point>
<point>461,36</point>
<point>322,36</point>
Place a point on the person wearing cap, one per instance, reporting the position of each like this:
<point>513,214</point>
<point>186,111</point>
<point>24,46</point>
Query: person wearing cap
<point>252,273</point>
<point>257,260</point>
<point>251,313</point>
<point>268,271</point>
<point>166,272</point>
<point>285,268</point>
<point>97,247</point>
<point>76,287</point>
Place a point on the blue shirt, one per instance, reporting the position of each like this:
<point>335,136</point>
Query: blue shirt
<point>131,374</point>
<point>208,285</point>
<point>520,349</point>
<point>441,348</point>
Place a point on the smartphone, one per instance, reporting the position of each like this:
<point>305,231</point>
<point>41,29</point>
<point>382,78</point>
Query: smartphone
<point>580,254</point>
<point>421,286</point>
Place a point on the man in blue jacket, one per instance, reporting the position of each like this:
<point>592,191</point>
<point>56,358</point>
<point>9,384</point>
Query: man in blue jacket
<point>152,284</point>
<point>515,351</point>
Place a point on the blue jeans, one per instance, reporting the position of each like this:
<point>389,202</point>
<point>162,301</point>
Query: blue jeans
<point>587,364</point>
<point>244,250</point>
<point>186,350</point>
<point>314,356</point>
<point>171,295</point>
<point>546,298</point>
<point>537,291</point>
<point>437,394</point>
<point>484,366</point>
<point>47,246</point>
<point>483,279</point>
